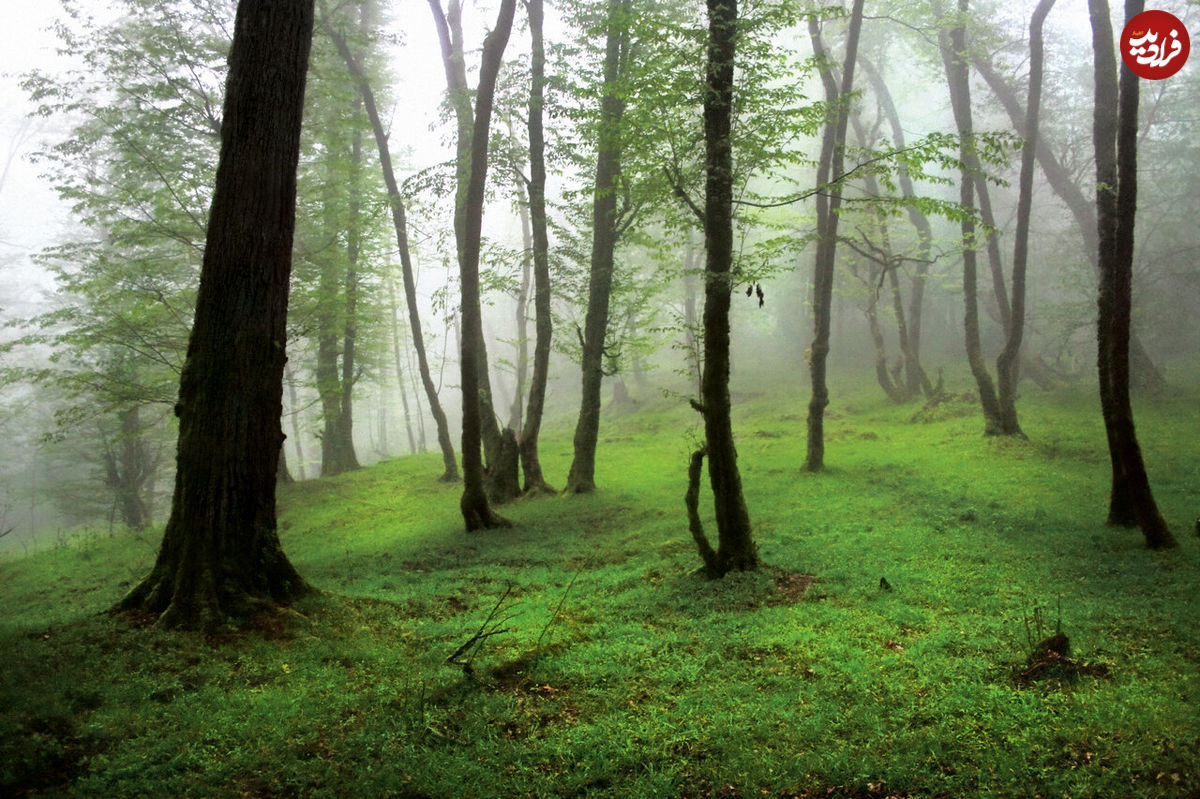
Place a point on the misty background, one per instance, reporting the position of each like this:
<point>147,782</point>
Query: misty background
<point>53,479</point>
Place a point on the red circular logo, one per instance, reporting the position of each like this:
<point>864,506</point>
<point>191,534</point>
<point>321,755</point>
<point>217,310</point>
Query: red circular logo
<point>1155,44</point>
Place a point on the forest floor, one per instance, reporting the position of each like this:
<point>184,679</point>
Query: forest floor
<point>604,665</point>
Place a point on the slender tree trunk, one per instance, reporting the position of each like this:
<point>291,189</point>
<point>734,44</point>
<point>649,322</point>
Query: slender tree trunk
<point>915,377</point>
<point>1143,373</point>
<point>220,555</point>
<point>350,326</point>
<point>396,354</point>
<point>736,550</point>
<point>531,465</point>
<point>477,513</point>
<point>896,389</point>
<point>400,223</point>
<point>953,47</point>
<point>336,300</point>
<point>832,153</point>
<point>995,261</point>
<point>295,404</point>
<point>522,366</point>
<point>582,475</point>
<point>449,27</point>
<point>1009,360</point>
<point>128,469</point>
<point>1131,501</point>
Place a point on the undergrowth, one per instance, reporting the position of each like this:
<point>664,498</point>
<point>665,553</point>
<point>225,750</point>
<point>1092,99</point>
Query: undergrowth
<point>877,655</point>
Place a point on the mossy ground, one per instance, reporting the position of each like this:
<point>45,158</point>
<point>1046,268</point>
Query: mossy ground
<point>644,679</point>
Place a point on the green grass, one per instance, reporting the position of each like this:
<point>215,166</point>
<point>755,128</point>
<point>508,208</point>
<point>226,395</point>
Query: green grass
<point>623,673</point>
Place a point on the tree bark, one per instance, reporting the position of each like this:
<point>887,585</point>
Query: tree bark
<point>581,477</point>
<point>477,513</point>
<point>220,555</point>
<point>1131,501</point>
<point>832,153</point>
<point>400,223</point>
<point>954,52</point>
<point>1009,359</point>
<point>736,550</point>
<point>449,28</point>
<point>531,464</point>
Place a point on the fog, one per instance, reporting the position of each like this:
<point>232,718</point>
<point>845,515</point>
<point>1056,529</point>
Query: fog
<point>57,435</point>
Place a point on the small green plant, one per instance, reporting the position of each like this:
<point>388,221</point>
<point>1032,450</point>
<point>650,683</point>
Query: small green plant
<point>1035,630</point>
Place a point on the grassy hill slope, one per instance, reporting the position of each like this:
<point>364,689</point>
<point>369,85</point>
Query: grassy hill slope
<point>613,669</point>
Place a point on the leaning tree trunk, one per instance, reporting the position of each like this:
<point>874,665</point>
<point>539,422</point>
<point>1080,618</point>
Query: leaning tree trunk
<point>910,338</point>
<point>477,513</point>
<point>1143,373</point>
<point>1009,360</point>
<point>531,465</point>
<point>833,155</point>
<point>581,478</point>
<point>954,47</point>
<point>400,223</point>
<point>896,389</point>
<point>396,356</point>
<point>220,555</point>
<point>449,29</point>
<point>735,541</point>
<point>1131,502</point>
<point>995,261</point>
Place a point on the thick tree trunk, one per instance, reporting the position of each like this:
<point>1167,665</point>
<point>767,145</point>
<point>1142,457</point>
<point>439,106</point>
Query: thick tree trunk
<point>477,513</point>
<point>832,166</point>
<point>220,554</point>
<point>400,223</point>
<point>531,465</point>
<point>953,47</point>
<point>282,475</point>
<point>581,477</point>
<point>1131,502</point>
<point>1009,360</point>
<point>736,550</point>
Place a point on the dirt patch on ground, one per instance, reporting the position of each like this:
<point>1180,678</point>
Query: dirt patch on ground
<point>790,586</point>
<point>1051,663</point>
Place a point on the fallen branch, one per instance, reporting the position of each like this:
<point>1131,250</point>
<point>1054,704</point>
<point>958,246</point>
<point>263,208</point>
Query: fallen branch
<point>472,644</point>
